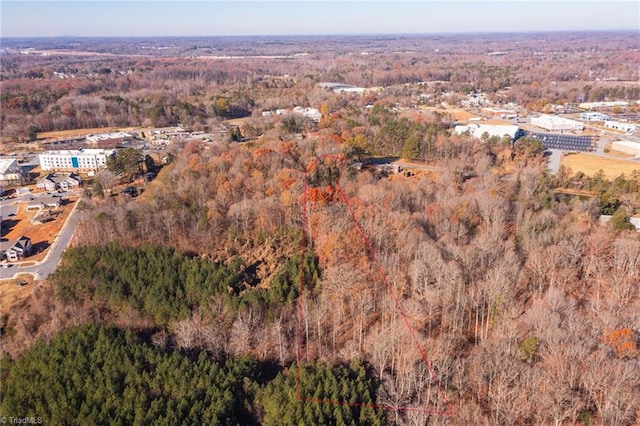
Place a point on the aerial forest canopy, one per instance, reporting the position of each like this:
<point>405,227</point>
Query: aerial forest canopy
<point>368,267</point>
<point>501,279</point>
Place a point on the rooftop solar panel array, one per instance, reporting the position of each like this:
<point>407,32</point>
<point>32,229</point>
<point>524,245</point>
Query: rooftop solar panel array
<point>564,142</point>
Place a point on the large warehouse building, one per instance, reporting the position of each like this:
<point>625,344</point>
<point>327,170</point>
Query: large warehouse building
<point>627,147</point>
<point>553,123</point>
<point>75,160</point>
<point>603,105</point>
<point>477,130</point>
<point>108,140</point>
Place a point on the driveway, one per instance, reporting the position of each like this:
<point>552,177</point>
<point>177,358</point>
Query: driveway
<point>553,161</point>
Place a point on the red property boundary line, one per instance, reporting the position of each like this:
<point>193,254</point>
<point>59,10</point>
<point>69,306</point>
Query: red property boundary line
<point>367,242</point>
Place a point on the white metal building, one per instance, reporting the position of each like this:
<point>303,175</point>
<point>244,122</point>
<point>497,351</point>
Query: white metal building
<point>623,127</point>
<point>553,123</point>
<point>118,137</point>
<point>594,116</point>
<point>600,105</point>
<point>9,170</point>
<point>477,130</point>
<point>75,160</point>
<point>311,113</point>
<point>627,147</point>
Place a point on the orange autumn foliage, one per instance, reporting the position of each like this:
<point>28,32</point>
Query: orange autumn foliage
<point>326,194</point>
<point>622,341</point>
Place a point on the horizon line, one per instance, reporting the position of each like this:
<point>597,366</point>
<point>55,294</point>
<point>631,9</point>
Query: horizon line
<point>489,32</point>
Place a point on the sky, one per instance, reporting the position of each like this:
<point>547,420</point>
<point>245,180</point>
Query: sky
<point>30,18</point>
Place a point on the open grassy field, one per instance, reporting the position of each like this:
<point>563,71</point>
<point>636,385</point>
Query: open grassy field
<point>10,292</point>
<point>590,164</point>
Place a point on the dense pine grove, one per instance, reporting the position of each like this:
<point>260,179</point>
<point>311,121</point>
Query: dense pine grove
<point>165,284</point>
<point>104,375</point>
<point>328,395</point>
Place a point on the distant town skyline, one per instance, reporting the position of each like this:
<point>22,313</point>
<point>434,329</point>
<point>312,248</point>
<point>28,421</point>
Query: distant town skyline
<point>55,18</point>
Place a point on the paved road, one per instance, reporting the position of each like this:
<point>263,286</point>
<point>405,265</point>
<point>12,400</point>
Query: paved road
<point>43,269</point>
<point>553,161</point>
<point>556,155</point>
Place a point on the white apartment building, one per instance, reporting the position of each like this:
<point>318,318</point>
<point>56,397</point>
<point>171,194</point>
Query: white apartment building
<point>75,160</point>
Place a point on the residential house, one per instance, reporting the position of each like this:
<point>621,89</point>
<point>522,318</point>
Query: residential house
<point>52,182</point>
<point>44,202</point>
<point>15,250</point>
<point>47,184</point>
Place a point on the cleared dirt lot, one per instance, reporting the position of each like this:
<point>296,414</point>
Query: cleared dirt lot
<point>73,132</point>
<point>590,164</point>
<point>81,132</point>
<point>458,114</point>
<point>41,234</point>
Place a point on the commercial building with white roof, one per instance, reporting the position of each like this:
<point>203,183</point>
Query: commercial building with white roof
<point>553,123</point>
<point>9,170</point>
<point>628,147</point>
<point>477,130</point>
<point>622,127</point>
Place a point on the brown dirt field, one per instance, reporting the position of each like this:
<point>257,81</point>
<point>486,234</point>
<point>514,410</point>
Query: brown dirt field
<point>590,164</point>
<point>10,293</point>
<point>81,132</point>
<point>496,121</point>
<point>458,113</point>
<point>237,121</point>
<point>41,235</point>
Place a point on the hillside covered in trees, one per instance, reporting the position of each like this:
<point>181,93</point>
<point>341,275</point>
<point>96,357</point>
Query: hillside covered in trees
<point>509,288</point>
<point>296,279</point>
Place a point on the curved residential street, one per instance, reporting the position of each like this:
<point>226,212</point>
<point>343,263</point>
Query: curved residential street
<point>43,269</point>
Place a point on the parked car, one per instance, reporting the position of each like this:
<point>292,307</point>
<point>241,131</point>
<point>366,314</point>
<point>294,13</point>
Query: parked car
<point>131,191</point>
